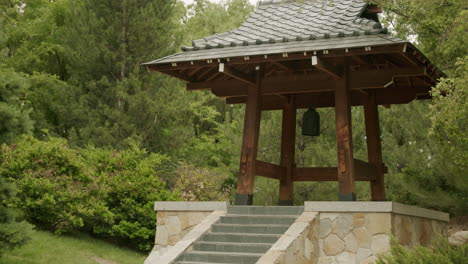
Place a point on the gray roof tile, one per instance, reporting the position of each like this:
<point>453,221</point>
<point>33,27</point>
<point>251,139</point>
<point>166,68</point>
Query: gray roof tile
<point>290,20</point>
<point>278,26</point>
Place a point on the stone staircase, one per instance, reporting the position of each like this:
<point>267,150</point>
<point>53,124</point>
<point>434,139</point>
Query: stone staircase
<point>242,236</point>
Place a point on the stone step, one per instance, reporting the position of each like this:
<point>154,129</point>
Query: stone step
<point>258,219</point>
<point>220,257</point>
<point>239,238</point>
<point>266,210</point>
<point>252,228</point>
<point>232,247</point>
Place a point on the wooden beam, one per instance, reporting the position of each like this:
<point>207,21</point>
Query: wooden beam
<point>320,174</point>
<point>373,9</point>
<point>344,139</point>
<point>282,66</point>
<point>325,67</point>
<point>229,71</point>
<point>326,99</point>
<point>288,146</point>
<point>374,146</point>
<point>360,60</point>
<point>296,83</point>
<point>253,111</point>
<point>269,170</point>
<point>365,170</point>
<point>316,174</point>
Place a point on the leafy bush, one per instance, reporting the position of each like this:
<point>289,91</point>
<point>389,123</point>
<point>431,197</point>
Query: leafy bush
<point>13,231</point>
<point>199,184</point>
<point>129,186</point>
<point>105,192</point>
<point>53,183</point>
<point>441,253</point>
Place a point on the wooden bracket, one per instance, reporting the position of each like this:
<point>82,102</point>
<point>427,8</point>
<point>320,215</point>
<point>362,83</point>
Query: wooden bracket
<point>229,71</point>
<point>365,170</point>
<point>325,67</point>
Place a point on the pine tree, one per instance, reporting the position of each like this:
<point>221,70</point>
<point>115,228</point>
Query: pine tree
<point>14,109</point>
<point>13,231</point>
<point>107,42</point>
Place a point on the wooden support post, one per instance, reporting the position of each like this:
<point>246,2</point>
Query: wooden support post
<point>374,149</point>
<point>253,111</point>
<point>288,143</point>
<point>344,138</point>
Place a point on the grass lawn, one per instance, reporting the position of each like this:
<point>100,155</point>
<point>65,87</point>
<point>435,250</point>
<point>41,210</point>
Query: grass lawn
<point>47,248</point>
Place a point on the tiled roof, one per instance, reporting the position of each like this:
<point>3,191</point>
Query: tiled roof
<point>276,21</point>
<point>278,26</point>
<point>278,48</point>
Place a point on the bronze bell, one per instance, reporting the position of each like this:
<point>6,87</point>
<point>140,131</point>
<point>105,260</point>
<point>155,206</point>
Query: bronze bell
<point>311,123</point>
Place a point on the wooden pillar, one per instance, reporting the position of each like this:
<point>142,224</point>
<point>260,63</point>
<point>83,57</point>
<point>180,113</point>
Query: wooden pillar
<point>253,111</point>
<point>288,143</point>
<point>374,147</point>
<point>344,139</point>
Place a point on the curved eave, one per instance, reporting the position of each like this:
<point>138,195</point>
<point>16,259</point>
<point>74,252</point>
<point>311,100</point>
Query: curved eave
<point>354,46</point>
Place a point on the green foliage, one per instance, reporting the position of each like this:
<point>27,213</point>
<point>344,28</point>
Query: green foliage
<point>448,115</point>
<point>106,42</point>
<point>106,192</point>
<point>199,184</point>
<point>14,109</point>
<point>14,232</point>
<point>34,31</point>
<point>440,253</point>
<point>439,27</point>
<point>52,181</point>
<point>204,18</point>
<point>129,184</point>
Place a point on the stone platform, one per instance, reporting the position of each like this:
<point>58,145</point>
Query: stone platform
<point>357,232</point>
<point>326,232</point>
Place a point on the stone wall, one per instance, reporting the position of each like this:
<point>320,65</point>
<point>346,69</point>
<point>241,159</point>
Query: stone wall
<point>358,232</point>
<point>174,225</point>
<point>176,219</point>
<point>361,237</point>
<point>353,237</point>
<point>299,244</point>
<point>414,231</point>
<point>186,242</point>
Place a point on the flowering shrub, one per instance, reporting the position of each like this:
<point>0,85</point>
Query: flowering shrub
<point>105,192</point>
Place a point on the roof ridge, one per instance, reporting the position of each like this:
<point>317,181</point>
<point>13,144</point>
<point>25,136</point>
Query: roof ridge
<point>294,20</point>
<point>270,2</point>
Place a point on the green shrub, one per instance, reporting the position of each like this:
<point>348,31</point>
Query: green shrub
<point>129,187</point>
<point>13,231</point>
<point>53,184</point>
<point>440,253</point>
<point>104,192</point>
<point>200,184</point>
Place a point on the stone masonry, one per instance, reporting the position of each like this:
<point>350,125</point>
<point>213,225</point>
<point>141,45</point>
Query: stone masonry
<point>359,235</point>
<point>176,219</point>
<point>326,233</point>
<point>174,225</point>
<point>299,244</point>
